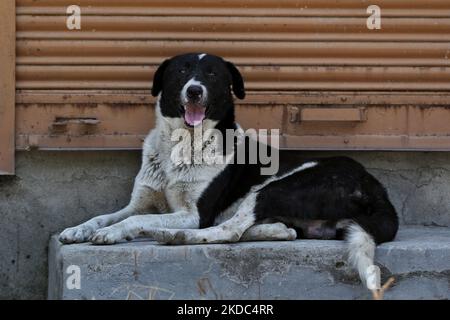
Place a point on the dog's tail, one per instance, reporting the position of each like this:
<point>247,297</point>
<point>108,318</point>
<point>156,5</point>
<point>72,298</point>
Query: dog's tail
<point>379,225</point>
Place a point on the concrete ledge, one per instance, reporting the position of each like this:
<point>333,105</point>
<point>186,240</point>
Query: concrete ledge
<point>303,269</point>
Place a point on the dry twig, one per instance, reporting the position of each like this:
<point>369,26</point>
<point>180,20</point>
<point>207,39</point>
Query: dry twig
<point>379,293</point>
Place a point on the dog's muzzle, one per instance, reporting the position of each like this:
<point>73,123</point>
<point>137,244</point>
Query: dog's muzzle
<point>194,110</point>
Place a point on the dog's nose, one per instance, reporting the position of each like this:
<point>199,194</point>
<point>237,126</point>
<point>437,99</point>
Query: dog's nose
<point>194,92</point>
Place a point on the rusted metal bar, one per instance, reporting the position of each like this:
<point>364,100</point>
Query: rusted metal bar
<point>366,143</point>
<point>133,97</point>
<point>234,28</point>
<point>7,85</point>
<point>300,8</point>
<point>114,52</point>
<point>257,78</point>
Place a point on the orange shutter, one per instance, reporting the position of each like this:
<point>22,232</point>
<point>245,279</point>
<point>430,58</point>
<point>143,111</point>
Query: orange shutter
<point>90,88</point>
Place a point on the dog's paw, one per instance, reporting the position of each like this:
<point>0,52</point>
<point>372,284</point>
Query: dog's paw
<point>291,234</point>
<point>108,235</point>
<point>77,234</point>
<point>285,233</point>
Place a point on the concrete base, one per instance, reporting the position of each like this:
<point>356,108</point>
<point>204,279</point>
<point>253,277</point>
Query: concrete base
<point>419,259</point>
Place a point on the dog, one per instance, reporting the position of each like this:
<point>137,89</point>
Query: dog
<point>177,201</point>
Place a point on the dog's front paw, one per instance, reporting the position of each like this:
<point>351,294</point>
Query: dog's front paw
<point>77,234</point>
<point>108,235</point>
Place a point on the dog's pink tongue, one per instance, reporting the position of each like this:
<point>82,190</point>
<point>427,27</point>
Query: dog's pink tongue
<point>194,114</point>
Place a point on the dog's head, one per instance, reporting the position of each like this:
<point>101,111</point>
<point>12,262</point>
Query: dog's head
<point>196,87</point>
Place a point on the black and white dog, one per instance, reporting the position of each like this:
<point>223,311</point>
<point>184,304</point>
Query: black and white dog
<point>181,202</point>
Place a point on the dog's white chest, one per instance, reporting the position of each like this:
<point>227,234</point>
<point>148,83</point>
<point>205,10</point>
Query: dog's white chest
<point>186,184</point>
<point>183,196</point>
<point>180,177</point>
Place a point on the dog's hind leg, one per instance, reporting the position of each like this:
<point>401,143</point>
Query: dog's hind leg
<point>269,232</point>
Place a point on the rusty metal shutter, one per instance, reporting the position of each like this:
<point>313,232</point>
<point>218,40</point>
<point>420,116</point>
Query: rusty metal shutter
<point>89,88</point>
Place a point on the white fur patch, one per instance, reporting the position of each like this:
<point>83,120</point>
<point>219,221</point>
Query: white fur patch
<point>201,56</point>
<point>304,166</point>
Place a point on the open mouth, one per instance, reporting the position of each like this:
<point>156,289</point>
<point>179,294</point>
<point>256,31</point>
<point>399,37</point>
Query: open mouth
<point>194,114</point>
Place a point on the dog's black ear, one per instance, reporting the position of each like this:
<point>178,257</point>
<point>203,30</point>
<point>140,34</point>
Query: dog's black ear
<point>238,81</point>
<point>158,78</point>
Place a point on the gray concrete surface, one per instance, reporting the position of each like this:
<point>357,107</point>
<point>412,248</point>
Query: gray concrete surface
<point>304,269</point>
<point>54,190</point>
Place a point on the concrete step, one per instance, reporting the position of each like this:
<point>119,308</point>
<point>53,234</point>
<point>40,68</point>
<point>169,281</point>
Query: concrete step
<point>419,259</point>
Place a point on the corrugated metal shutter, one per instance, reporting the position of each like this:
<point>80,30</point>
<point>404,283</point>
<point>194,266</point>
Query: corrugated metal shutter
<point>294,54</point>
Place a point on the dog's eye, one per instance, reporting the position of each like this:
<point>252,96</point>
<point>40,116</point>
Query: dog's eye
<point>211,73</point>
<point>182,71</point>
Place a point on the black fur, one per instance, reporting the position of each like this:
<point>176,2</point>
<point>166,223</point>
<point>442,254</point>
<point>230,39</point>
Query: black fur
<point>238,82</point>
<point>158,78</point>
<point>336,189</point>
